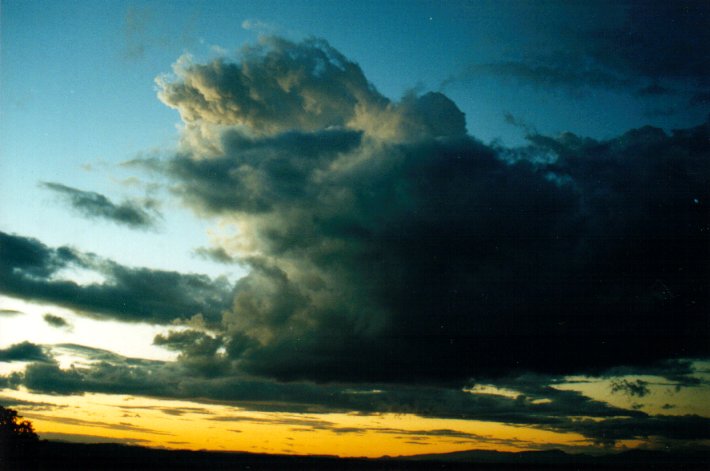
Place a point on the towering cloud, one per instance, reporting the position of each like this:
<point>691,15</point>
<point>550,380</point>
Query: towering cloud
<point>385,244</point>
<point>397,264</point>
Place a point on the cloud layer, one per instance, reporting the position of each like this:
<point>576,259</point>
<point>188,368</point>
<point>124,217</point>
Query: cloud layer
<point>31,270</point>
<point>534,401</point>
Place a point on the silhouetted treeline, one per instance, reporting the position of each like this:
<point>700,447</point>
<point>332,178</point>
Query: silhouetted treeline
<point>18,441</point>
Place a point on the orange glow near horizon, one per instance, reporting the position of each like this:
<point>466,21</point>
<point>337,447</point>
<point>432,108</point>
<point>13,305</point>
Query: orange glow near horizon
<point>197,426</point>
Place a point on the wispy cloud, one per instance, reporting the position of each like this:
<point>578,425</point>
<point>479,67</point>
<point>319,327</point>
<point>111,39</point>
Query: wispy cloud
<point>136,214</point>
<point>10,312</point>
<point>623,47</point>
<point>57,321</point>
<point>216,254</point>
<point>96,424</point>
<point>631,388</point>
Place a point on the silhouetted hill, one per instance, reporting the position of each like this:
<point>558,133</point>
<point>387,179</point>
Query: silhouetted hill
<point>632,459</point>
<point>488,456</point>
<point>50,455</point>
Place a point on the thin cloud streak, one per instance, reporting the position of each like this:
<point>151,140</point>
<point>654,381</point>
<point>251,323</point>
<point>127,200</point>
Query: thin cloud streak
<point>131,213</point>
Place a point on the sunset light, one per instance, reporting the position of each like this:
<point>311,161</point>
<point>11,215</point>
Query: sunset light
<point>387,230</point>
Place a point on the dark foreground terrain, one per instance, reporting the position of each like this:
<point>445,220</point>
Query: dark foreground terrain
<point>47,455</point>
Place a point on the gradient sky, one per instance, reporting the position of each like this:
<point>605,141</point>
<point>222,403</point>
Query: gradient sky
<point>356,228</point>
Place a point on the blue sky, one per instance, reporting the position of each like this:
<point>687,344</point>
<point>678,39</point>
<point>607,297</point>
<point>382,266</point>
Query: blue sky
<point>78,85</point>
<point>254,219</point>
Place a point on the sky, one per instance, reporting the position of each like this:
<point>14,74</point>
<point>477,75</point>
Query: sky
<point>357,228</point>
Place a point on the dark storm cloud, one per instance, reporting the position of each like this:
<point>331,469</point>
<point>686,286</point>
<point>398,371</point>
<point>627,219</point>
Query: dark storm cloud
<point>386,245</point>
<point>199,352</point>
<point>132,213</point>
<point>29,269</point>
<point>56,321</point>
<point>607,432</point>
<point>24,351</point>
<point>254,176</point>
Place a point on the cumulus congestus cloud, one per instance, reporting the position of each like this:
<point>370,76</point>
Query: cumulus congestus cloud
<point>386,244</point>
